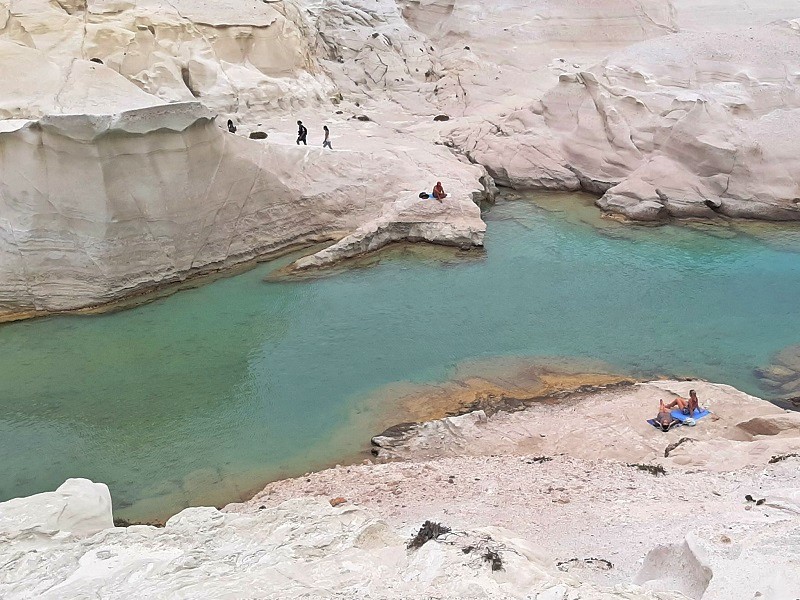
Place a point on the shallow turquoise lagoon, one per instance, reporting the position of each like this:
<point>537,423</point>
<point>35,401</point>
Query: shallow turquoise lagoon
<point>203,396</point>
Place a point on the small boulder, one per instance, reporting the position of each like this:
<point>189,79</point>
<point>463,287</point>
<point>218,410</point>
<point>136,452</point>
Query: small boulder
<point>79,506</point>
<point>772,424</point>
<point>337,501</point>
<point>441,118</point>
<point>258,135</point>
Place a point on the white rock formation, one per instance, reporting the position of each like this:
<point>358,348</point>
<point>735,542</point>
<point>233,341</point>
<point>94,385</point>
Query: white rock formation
<point>690,114</point>
<point>688,124</point>
<point>300,549</point>
<point>677,566</point>
<point>105,190</point>
<point>78,507</point>
<point>225,53</point>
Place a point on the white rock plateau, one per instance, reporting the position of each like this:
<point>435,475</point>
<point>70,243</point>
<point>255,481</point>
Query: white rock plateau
<point>299,549</point>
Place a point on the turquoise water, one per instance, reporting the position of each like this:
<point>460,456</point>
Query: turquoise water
<point>203,396</point>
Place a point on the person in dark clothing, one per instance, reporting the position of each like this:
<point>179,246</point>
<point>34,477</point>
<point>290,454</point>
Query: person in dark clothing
<point>231,126</point>
<point>326,142</point>
<point>302,132</point>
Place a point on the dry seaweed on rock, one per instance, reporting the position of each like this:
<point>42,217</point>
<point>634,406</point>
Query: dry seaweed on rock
<point>597,563</point>
<point>780,457</point>
<point>538,459</point>
<point>120,522</point>
<point>428,531</point>
<point>674,445</point>
<point>494,559</point>
<point>652,469</point>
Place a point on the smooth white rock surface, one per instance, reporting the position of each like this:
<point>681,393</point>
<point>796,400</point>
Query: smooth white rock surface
<point>78,507</point>
<point>300,549</point>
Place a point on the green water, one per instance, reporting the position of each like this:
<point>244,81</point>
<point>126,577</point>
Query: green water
<point>203,396</point>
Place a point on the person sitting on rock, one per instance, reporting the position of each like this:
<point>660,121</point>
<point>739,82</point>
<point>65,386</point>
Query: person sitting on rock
<point>438,191</point>
<point>302,132</point>
<point>687,407</point>
<point>231,126</point>
<point>665,419</point>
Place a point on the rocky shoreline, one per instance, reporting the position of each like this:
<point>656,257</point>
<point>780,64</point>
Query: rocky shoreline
<point>574,498</point>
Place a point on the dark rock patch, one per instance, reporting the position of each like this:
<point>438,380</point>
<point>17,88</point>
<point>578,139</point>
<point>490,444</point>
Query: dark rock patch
<point>652,469</point>
<point>780,457</point>
<point>674,445</point>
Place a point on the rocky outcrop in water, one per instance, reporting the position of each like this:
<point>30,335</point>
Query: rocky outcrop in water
<point>96,207</point>
<point>782,377</point>
<point>116,179</point>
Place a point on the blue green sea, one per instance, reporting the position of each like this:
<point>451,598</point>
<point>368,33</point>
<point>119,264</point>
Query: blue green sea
<point>205,395</point>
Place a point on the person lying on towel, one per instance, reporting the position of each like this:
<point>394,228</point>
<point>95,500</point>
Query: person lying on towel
<point>665,420</point>
<point>687,407</point>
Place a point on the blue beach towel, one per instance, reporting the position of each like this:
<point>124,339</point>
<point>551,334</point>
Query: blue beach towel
<point>698,414</point>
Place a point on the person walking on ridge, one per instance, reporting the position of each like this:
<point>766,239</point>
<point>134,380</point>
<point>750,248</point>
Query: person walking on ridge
<point>231,126</point>
<point>302,132</point>
<point>326,142</point>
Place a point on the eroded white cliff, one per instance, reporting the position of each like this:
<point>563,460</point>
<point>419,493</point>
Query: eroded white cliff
<point>688,124</point>
<point>96,207</point>
<point>662,108</point>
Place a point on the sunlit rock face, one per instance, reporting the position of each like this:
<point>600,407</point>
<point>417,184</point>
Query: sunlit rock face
<point>225,53</point>
<point>96,207</point>
<point>697,121</point>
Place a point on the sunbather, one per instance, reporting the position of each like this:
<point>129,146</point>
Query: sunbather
<point>687,407</point>
<point>438,191</point>
<point>665,419</point>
